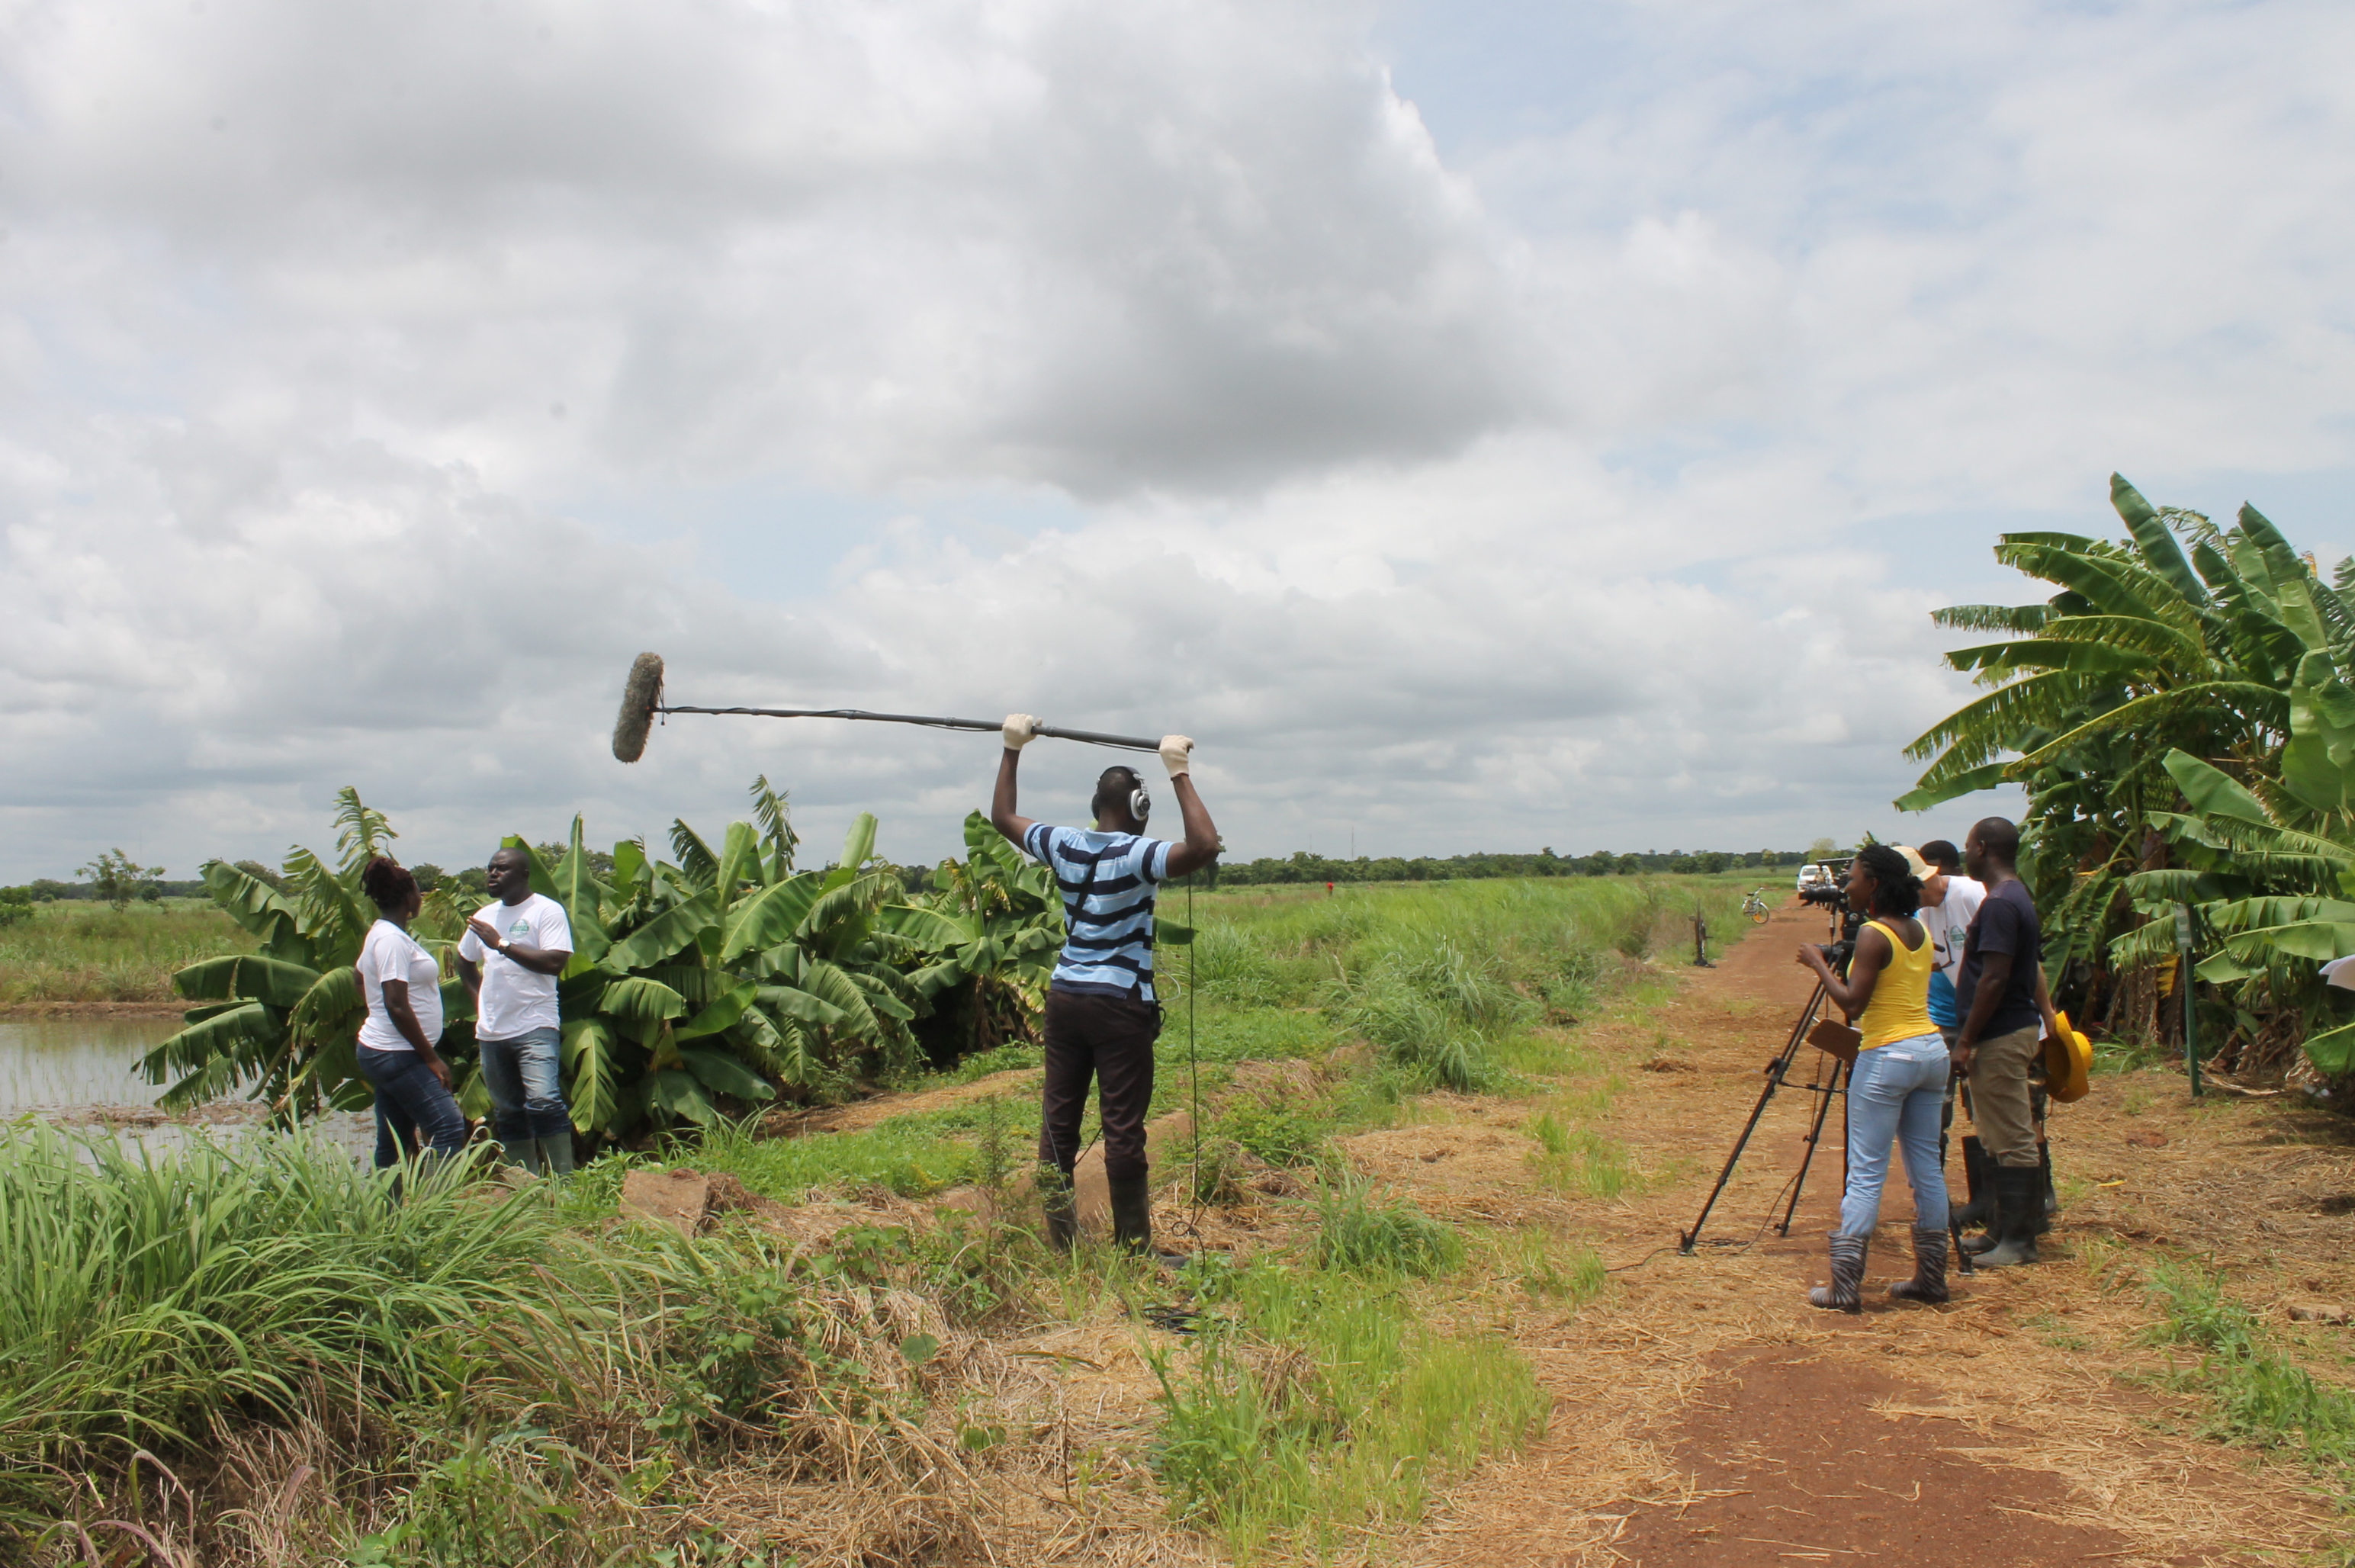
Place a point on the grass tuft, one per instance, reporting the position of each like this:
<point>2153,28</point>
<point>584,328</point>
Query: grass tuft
<point>2260,1397</point>
<point>1356,1233</point>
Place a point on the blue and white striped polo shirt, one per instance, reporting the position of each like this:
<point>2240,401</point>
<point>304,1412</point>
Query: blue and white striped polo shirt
<point>1108,881</point>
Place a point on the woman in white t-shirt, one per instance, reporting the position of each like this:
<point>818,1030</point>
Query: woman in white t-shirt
<point>402,984</point>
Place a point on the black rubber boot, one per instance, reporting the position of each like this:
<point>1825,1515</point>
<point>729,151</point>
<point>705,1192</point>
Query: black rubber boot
<point>1132,1213</point>
<point>558,1153</point>
<point>2020,1205</point>
<point>1845,1292</point>
<point>1980,1210</point>
<point>1929,1281</point>
<point>1062,1209</point>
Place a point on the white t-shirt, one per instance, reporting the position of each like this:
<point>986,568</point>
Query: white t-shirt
<point>1950,921</point>
<point>516,1000</point>
<point>391,954</point>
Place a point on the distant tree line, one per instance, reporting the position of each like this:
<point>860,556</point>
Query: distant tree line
<point>1303,867</point>
<point>1299,866</point>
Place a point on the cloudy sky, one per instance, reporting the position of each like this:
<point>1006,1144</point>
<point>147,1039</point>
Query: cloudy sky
<point>1479,424</point>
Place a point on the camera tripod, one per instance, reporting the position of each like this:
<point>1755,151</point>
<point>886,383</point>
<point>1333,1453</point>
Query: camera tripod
<point>1777,1073</point>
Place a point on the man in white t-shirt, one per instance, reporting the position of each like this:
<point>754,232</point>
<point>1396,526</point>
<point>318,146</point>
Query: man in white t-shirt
<point>522,943</point>
<point>1949,900</point>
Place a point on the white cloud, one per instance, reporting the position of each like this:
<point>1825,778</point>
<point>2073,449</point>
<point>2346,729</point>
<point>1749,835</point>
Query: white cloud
<point>1572,490</point>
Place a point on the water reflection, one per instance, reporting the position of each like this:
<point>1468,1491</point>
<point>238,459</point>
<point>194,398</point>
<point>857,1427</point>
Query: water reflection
<point>61,1063</point>
<point>85,1071</point>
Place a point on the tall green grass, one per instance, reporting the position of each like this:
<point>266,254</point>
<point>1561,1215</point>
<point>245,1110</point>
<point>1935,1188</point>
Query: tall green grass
<point>145,1299</point>
<point>88,953</point>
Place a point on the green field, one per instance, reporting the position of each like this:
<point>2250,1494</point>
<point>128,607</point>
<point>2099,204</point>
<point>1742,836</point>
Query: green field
<point>85,951</point>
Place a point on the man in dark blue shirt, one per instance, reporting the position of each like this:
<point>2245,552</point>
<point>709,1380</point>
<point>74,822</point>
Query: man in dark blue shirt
<point>1997,994</point>
<point>1102,1013</point>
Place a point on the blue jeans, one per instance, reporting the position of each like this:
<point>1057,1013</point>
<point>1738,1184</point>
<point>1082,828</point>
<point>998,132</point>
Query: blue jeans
<point>1895,1093</point>
<point>411,1107</point>
<point>527,1092</point>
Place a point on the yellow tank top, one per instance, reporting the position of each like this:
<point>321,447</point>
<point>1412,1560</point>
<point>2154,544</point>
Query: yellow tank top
<point>1900,1009</point>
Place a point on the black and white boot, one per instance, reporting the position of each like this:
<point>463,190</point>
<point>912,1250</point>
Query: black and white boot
<point>1929,1281</point>
<point>1845,1292</point>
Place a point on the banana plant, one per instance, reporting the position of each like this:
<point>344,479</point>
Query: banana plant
<point>2220,643</point>
<point>2271,898</point>
<point>996,924</point>
<point>721,975</point>
<point>725,972</point>
<point>281,1023</point>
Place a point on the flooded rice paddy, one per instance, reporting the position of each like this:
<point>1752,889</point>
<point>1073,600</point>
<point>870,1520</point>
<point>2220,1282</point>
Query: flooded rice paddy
<point>85,1071</point>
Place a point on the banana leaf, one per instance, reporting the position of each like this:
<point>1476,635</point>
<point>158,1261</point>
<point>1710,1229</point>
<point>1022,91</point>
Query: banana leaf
<point>246,975</point>
<point>676,1092</point>
<point>722,1073</point>
<point>720,1016</point>
<point>667,933</point>
<point>770,916</point>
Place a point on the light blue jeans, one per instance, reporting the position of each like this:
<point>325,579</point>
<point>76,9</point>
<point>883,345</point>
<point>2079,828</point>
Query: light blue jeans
<point>526,1089</point>
<point>1895,1094</point>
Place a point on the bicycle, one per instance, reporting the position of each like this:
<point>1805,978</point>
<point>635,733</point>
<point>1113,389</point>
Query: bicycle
<point>1755,906</point>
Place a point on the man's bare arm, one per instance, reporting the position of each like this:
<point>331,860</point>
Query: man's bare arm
<point>1002,815</point>
<point>1995,974</point>
<point>1021,729</point>
<point>1201,844</point>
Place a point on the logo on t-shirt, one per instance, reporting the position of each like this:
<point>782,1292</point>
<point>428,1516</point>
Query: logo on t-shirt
<point>519,929</point>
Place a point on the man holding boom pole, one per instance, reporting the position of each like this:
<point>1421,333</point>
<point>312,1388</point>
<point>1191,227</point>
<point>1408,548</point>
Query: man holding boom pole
<point>1102,1013</point>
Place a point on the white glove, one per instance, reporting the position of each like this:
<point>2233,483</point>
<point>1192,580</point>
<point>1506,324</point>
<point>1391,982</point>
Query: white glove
<point>1177,754</point>
<point>1021,729</point>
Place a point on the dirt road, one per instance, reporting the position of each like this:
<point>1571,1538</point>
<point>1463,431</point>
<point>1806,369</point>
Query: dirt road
<point>1705,1414</point>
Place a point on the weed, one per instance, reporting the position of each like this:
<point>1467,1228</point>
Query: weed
<point>88,953</point>
<point>1314,1402</point>
<point>1579,1159</point>
<point>1279,1133</point>
<point>1579,1278</point>
<point>1229,963</point>
<point>1009,1058</point>
<point>2259,1397</point>
<point>1355,1231</point>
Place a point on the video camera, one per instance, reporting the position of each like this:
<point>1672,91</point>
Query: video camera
<point>1833,897</point>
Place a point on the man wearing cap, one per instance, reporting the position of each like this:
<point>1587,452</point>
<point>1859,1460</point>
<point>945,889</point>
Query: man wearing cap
<point>1102,1013</point>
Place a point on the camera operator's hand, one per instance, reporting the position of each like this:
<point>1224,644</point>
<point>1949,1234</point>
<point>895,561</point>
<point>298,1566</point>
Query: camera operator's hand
<point>1811,957</point>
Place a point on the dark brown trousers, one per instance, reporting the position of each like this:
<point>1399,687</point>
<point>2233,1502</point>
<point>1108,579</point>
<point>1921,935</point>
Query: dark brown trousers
<point>1108,1039</point>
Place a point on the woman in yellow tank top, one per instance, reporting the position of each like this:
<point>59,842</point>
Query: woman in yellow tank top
<point>1899,1083</point>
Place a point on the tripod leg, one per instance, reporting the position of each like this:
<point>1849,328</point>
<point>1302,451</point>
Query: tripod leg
<point>1775,1070</point>
<point>1815,1137</point>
